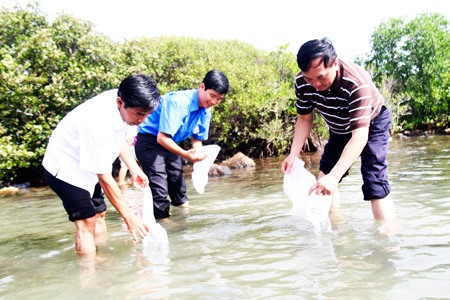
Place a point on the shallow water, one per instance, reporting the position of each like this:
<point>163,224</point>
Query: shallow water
<point>236,241</point>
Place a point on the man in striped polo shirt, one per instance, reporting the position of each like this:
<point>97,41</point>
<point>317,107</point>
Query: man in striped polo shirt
<point>358,122</point>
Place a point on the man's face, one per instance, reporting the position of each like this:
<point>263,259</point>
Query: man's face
<point>131,115</point>
<point>208,98</point>
<point>318,76</point>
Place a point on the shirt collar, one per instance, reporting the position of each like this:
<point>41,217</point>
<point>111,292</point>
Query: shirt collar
<point>337,81</point>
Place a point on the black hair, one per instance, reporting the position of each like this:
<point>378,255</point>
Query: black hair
<point>139,91</point>
<point>217,81</point>
<point>313,49</point>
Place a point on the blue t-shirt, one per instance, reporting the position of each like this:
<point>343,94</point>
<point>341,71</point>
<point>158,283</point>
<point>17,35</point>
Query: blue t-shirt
<point>179,116</point>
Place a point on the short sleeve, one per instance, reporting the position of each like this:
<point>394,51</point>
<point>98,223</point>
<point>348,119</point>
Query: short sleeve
<point>303,104</point>
<point>172,115</point>
<point>360,107</point>
<point>203,126</point>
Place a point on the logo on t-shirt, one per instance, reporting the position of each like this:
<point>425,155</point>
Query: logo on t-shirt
<point>196,130</point>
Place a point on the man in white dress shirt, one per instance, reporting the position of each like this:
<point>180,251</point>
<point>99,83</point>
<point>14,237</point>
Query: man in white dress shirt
<point>79,156</point>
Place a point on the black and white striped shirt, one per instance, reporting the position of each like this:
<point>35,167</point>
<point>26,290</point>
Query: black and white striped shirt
<point>351,102</point>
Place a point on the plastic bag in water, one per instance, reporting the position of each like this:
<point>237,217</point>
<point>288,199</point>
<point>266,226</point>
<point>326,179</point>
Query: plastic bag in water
<point>156,243</point>
<point>314,208</point>
<point>201,168</point>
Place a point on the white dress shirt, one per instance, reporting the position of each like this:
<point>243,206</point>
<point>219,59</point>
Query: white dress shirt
<point>86,142</point>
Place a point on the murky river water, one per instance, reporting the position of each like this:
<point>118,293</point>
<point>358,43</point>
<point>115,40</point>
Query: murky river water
<point>236,241</point>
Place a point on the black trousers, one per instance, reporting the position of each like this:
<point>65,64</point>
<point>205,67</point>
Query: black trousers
<point>373,157</point>
<point>77,201</point>
<point>164,170</point>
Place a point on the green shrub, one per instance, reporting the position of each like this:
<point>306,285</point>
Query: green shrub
<point>415,56</point>
<point>46,69</point>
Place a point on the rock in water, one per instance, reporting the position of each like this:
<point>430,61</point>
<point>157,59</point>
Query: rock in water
<point>217,170</point>
<point>9,190</point>
<point>238,161</point>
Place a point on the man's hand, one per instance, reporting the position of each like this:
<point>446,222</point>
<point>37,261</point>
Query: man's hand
<point>195,156</point>
<point>326,185</point>
<point>166,141</point>
<point>302,131</point>
<point>136,226</point>
<point>140,180</point>
<point>287,164</point>
<point>130,140</point>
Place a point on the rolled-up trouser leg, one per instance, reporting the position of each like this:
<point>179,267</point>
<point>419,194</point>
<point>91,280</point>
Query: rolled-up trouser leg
<point>373,158</point>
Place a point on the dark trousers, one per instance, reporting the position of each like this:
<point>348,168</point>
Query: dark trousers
<point>164,170</point>
<point>373,157</point>
<point>77,201</point>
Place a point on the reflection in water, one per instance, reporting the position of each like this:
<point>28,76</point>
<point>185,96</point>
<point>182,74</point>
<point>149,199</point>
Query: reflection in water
<point>152,280</point>
<point>236,241</point>
<point>88,274</point>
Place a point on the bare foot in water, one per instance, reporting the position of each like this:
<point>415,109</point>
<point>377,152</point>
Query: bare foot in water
<point>388,227</point>
<point>185,204</point>
<point>336,219</point>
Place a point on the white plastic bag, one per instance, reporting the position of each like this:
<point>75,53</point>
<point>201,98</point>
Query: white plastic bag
<point>156,243</point>
<point>201,168</point>
<point>314,208</point>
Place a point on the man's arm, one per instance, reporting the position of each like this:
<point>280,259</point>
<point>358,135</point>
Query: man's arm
<point>302,131</point>
<point>328,183</point>
<point>112,191</point>
<point>196,143</point>
<point>139,179</point>
<point>166,141</point>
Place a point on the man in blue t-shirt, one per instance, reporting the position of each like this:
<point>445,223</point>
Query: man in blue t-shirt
<point>181,115</point>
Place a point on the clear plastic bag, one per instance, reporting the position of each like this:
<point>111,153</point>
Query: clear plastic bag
<point>201,168</point>
<point>156,243</point>
<point>314,208</point>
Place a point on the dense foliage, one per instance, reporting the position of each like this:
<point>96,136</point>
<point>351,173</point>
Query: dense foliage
<point>46,69</point>
<point>412,61</point>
